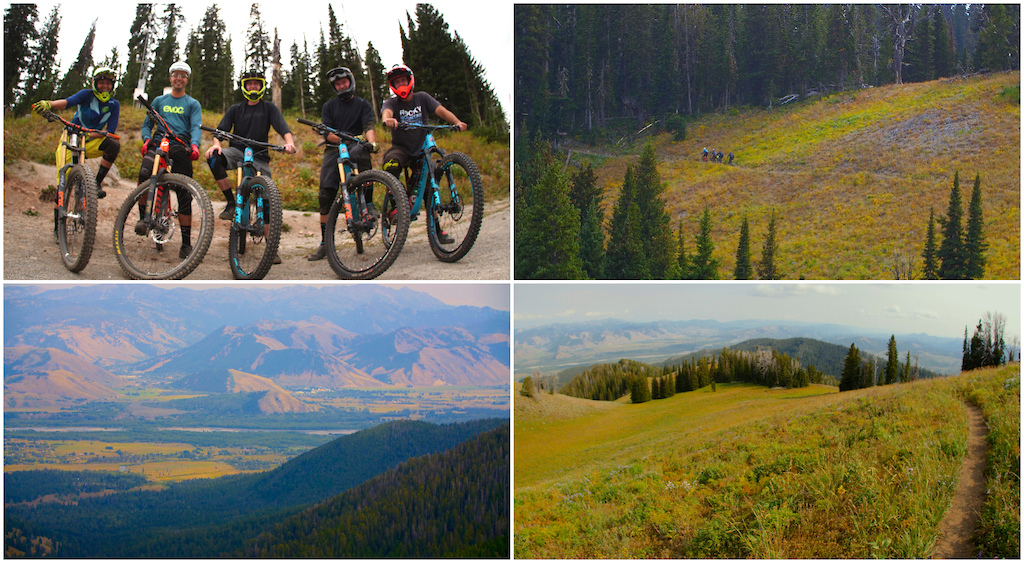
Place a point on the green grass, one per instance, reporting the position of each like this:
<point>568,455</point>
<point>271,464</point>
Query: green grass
<point>748,472</point>
<point>851,176</point>
<point>32,138</point>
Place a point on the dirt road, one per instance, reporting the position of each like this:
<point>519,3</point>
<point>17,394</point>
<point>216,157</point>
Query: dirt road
<point>31,254</point>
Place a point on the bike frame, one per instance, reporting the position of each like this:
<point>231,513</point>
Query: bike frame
<point>246,172</point>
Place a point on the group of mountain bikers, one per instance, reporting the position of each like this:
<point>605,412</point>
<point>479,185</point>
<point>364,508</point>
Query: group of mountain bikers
<point>253,119</point>
<point>716,156</point>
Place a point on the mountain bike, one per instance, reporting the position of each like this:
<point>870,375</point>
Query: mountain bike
<point>256,225</point>
<point>141,251</point>
<point>76,195</point>
<point>362,244</point>
<point>450,185</point>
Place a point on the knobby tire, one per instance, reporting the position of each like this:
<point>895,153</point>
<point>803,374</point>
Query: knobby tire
<point>365,255</point>
<point>251,250</point>
<point>460,220</point>
<point>76,222</point>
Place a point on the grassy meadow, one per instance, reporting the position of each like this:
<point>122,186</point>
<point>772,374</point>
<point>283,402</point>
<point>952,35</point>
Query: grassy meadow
<point>745,471</point>
<point>32,138</point>
<point>850,176</point>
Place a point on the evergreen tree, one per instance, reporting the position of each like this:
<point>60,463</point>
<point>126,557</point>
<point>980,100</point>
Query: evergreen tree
<point>892,366</point>
<point>166,52</point>
<point>41,75</point>
<point>744,270</point>
<point>655,231</point>
<point>704,265</point>
<point>766,267</point>
<point>906,370</point>
<point>528,388</point>
<point>78,75</point>
<point>208,55</point>
<point>325,60</point>
<point>851,376</point>
<point>139,45</point>
<point>974,240</point>
<point>999,39</point>
<point>547,245</point>
<point>19,33</point>
<point>685,266</point>
<point>931,261</point>
<point>625,258</point>
<point>951,251</point>
<point>376,74</point>
<point>586,197</point>
<point>257,46</point>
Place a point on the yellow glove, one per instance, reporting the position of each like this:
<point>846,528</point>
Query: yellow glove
<point>41,106</point>
<point>374,147</point>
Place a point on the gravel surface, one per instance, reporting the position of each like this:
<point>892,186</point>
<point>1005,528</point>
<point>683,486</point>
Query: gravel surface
<point>30,252</point>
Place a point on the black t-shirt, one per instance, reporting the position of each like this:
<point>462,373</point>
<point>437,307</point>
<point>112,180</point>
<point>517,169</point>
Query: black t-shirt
<point>353,117</point>
<point>254,122</point>
<point>417,109</point>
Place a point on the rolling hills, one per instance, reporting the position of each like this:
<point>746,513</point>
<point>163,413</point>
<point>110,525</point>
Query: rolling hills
<point>850,176</point>
<point>745,471</point>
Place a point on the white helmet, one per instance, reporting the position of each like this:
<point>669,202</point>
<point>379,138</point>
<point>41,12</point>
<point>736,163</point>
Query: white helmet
<point>180,65</point>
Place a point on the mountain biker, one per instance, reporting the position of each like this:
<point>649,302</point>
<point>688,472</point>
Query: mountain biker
<point>408,106</point>
<point>349,114</point>
<point>184,115</point>
<point>251,119</point>
<point>96,110</point>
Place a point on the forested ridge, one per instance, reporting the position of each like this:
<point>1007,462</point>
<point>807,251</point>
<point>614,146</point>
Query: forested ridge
<point>452,504</point>
<point>581,69</point>
<point>153,523</point>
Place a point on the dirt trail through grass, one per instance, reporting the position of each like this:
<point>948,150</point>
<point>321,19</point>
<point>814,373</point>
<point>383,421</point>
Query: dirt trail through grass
<point>961,520</point>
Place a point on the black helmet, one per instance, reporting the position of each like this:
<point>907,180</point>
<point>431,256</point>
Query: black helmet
<point>342,72</point>
<point>253,74</point>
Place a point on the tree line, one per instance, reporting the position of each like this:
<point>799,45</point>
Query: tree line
<point>442,62</point>
<point>584,69</point>
<point>987,347</point>
<point>560,227</point>
<point>961,253</point>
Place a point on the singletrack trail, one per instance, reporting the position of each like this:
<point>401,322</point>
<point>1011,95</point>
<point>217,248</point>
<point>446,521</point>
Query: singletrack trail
<point>30,252</point>
<point>959,523</point>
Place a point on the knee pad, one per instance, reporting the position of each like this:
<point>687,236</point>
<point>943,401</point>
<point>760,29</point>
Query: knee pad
<point>111,149</point>
<point>326,198</point>
<point>218,166</point>
<point>393,167</point>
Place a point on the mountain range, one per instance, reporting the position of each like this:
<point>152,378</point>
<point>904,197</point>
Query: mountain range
<point>558,346</point>
<point>83,343</point>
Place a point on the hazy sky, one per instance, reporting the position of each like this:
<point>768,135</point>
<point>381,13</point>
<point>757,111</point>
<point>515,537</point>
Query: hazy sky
<point>938,309</point>
<point>486,28</point>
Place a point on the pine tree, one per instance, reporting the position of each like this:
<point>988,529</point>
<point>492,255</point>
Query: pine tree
<point>851,376</point>
<point>906,370</point>
<point>586,197</point>
<point>766,267</point>
<point>376,74</point>
<point>683,261</point>
<point>655,231</point>
<point>139,45</point>
<point>999,39</point>
<point>78,76</point>
<point>547,239</point>
<point>931,261</point>
<point>744,270</point>
<point>705,265</point>
<point>257,46</point>
<point>208,55</point>
<point>951,251</point>
<point>892,366</point>
<point>41,75</point>
<point>625,258</point>
<point>528,387</point>
<point>19,33</point>
<point>974,240</point>
<point>166,51</point>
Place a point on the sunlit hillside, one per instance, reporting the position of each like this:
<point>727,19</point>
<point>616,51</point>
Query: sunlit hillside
<point>850,177</point>
<point>745,471</point>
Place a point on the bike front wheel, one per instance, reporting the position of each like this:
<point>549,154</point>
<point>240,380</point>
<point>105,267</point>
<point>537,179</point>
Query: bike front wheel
<point>454,223</point>
<point>157,250</point>
<point>253,241</point>
<point>76,217</point>
<point>366,246</point>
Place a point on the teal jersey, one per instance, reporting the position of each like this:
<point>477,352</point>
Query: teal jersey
<point>184,115</point>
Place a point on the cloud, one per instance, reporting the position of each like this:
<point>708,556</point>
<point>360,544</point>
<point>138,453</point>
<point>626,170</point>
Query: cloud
<point>796,290</point>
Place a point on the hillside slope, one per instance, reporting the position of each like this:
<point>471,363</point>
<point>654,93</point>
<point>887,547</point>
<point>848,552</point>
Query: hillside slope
<point>747,472</point>
<point>851,177</point>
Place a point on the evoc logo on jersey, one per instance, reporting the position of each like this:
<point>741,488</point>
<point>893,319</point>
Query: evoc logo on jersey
<point>173,109</point>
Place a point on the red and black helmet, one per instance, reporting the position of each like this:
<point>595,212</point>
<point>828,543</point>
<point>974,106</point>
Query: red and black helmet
<point>397,71</point>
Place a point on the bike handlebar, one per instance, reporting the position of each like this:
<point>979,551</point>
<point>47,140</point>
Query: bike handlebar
<point>51,117</point>
<point>222,135</point>
<point>160,121</point>
<point>325,129</point>
<point>404,125</point>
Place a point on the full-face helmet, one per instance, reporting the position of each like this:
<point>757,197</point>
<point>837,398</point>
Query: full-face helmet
<point>101,73</point>
<point>398,71</point>
<point>342,72</point>
<point>253,95</point>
